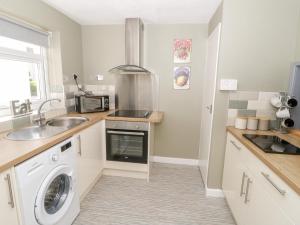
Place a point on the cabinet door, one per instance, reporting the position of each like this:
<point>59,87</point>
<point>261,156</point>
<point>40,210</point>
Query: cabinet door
<point>234,178</point>
<point>261,208</point>
<point>247,198</point>
<point>8,211</point>
<point>91,144</point>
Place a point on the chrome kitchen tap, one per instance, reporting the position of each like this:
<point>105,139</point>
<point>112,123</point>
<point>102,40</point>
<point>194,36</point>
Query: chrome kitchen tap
<point>40,120</point>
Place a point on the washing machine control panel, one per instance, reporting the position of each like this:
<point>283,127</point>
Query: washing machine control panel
<point>66,146</point>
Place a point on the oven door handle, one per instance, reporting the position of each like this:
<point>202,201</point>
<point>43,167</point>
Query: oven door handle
<point>126,133</point>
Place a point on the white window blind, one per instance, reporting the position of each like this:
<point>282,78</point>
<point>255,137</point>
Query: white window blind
<point>15,31</point>
<point>23,63</point>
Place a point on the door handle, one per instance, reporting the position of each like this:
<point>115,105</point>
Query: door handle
<point>209,108</point>
<point>243,184</point>
<point>126,133</point>
<point>11,202</point>
<point>249,181</point>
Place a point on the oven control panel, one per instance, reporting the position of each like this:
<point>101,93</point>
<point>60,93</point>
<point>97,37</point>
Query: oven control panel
<point>125,125</point>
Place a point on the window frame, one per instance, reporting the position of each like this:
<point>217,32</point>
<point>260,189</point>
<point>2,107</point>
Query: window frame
<point>41,60</point>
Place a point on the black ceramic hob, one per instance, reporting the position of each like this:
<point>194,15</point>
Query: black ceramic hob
<point>131,113</point>
<point>272,144</point>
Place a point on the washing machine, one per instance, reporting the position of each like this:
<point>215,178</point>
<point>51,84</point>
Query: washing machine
<point>47,186</point>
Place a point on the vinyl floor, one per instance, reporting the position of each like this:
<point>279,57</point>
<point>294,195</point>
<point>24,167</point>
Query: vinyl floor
<point>175,195</point>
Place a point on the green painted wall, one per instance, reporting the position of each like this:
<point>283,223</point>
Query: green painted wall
<point>103,48</point>
<point>258,45</point>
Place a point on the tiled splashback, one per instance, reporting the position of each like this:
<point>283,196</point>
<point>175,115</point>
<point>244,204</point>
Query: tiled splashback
<point>71,90</point>
<point>245,103</point>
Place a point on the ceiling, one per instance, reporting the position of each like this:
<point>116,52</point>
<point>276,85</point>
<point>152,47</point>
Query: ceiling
<point>94,12</point>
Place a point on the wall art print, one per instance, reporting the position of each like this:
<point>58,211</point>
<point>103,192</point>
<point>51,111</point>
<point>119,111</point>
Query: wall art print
<point>182,50</point>
<point>182,75</point>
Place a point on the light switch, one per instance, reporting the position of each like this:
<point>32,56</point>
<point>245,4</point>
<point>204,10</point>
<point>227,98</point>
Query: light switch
<point>100,77</point>
<point>228,85</point>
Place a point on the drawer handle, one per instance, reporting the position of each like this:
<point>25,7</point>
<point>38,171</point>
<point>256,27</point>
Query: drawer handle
<point>249,181</point>
<point>242,184</point>
<point>11,202</point>
<point>235,145</point>
<point>267,176</point>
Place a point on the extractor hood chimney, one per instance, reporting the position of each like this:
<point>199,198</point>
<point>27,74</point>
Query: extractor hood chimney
<point>134,40</point>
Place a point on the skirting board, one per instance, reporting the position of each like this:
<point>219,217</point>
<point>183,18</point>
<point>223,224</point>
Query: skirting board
<point>124,173</point>
<point>218,193</point>
<point>179,161</point>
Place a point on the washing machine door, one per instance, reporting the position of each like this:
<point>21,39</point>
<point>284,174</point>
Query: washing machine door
<point>55,196</point>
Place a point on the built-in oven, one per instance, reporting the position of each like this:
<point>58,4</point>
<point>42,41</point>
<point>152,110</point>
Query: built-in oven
<point>127,141</point>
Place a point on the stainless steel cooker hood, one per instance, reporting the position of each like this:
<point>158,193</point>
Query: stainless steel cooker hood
<point>134,30</point>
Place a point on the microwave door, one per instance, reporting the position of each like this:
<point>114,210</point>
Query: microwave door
<point>92,104</point>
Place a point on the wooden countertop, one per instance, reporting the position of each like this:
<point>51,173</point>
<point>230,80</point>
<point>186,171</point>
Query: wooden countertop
<point>15,152</point>
<point>287,167</point>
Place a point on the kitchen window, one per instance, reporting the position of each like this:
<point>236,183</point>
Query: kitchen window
<point>23,65</point>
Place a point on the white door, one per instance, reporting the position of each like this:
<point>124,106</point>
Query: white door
<point>209,87</point>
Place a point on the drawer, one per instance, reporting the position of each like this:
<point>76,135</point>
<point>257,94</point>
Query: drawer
<point>236,144</point>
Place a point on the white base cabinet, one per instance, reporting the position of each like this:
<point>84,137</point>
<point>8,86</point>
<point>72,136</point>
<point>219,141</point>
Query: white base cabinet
<point>250,201</point>
<point>8,208</point>
<point>90,147</point>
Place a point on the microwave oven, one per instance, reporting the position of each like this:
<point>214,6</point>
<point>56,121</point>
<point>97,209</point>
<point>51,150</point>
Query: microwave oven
<point>91,103</point>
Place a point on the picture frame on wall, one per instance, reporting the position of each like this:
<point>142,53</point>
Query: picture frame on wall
<point>182,50</point>
<point>182,76</point>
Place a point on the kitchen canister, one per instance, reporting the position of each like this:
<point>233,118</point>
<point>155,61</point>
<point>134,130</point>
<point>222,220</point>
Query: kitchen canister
<point>252,123</point>
<point>241,123</point>
<point>263,124</point>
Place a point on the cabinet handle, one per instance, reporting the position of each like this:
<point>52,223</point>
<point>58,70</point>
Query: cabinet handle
<point>242,184</point>
<point>249,181</point>
<point>235,145</point>
<point>79,145</point>
<point>267,176</point>
<point>11,202</point>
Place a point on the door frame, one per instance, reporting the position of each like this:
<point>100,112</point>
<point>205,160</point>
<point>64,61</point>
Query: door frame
<point>216,31</point>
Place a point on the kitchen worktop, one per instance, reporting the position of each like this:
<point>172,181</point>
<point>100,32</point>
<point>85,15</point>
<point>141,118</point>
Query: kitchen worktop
<point>287,167</point>
<point>15,152</point>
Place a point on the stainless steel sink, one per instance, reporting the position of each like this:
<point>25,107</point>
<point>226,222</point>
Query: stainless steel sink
<point>66,122</point>
<point>34,133</point>
<point>52,128</point>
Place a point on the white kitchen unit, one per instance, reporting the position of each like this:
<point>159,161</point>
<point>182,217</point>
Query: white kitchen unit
<point>90,148</point>
<point>8,208</point>
<point>255,194</point>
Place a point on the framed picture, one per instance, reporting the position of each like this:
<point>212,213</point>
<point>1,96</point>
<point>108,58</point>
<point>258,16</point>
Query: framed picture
<point>182,50</point>
<point>182,75</point>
